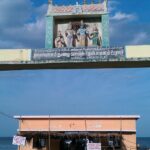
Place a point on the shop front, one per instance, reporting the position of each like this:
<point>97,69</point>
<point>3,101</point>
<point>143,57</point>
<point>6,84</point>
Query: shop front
<point>77,132</point>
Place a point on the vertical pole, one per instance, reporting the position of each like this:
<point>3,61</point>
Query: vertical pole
<point>19,130</point>
<point>49,136</point>
<point>121,132</point>
<point>85,126</point>
<point>86,130</point>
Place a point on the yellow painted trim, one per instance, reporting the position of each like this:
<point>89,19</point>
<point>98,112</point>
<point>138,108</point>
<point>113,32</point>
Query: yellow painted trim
<point>140,51</point>
<point>15,55</point>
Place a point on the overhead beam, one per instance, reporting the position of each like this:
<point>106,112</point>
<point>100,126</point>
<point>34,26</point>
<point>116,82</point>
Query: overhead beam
<point>83,65</point>
<point>75,58</point>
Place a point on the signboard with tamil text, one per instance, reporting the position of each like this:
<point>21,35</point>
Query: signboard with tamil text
<point>93,146</point>
<point>78,54</point>
<point>19,140</point>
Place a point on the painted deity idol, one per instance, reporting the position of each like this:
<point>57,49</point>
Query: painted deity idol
<point>69,35</point>
<point>82,34</point>
<point>94,36</point>
<point>59,41</point>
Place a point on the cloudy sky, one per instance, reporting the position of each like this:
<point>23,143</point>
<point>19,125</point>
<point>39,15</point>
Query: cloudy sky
<point>110,91</point>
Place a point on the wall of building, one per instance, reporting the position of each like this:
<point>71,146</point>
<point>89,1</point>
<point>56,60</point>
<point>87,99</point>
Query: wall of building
<point>78,125</point>
<point>129,142</point>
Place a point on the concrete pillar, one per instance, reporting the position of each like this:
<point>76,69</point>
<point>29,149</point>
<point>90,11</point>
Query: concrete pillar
<point>105,30</point>
<point>49,32</point>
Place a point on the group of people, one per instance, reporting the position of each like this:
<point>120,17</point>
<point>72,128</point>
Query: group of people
<point>80,36</point>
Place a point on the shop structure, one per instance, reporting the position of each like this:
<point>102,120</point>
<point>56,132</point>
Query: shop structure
<point>76,132</point>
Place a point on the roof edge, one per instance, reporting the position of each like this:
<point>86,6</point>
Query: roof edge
<point>78,117</point>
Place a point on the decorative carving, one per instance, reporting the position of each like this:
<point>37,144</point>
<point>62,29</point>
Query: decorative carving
<point>95,37</point>
<point>82,34</point>
<point>59,41</point>
<point>69,34</point>
<point>78,34</point>
<point>77,9</point>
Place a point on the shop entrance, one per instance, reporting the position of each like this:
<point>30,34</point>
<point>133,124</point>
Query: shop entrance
<point>76,142</point>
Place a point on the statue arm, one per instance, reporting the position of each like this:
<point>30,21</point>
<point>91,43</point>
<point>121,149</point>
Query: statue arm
<point>56,40</point>
<point>90,36</point>
<point>100,39</point>
<point>78,32</point>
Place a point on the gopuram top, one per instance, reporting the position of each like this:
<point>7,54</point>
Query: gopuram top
<point>76,25</point>
<point>98,8</point>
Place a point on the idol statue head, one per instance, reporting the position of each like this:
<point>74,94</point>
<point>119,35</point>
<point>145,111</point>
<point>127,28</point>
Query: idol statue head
<point>69,26</point>
<point>59,33</point>
<point>82,24</point>
<point>95,28</point>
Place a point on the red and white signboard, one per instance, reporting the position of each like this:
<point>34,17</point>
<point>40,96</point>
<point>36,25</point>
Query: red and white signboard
<point>19,140</point>
<point>93,146</point>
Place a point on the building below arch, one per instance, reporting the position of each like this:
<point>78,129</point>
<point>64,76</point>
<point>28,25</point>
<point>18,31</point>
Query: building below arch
<point>75,132</point>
